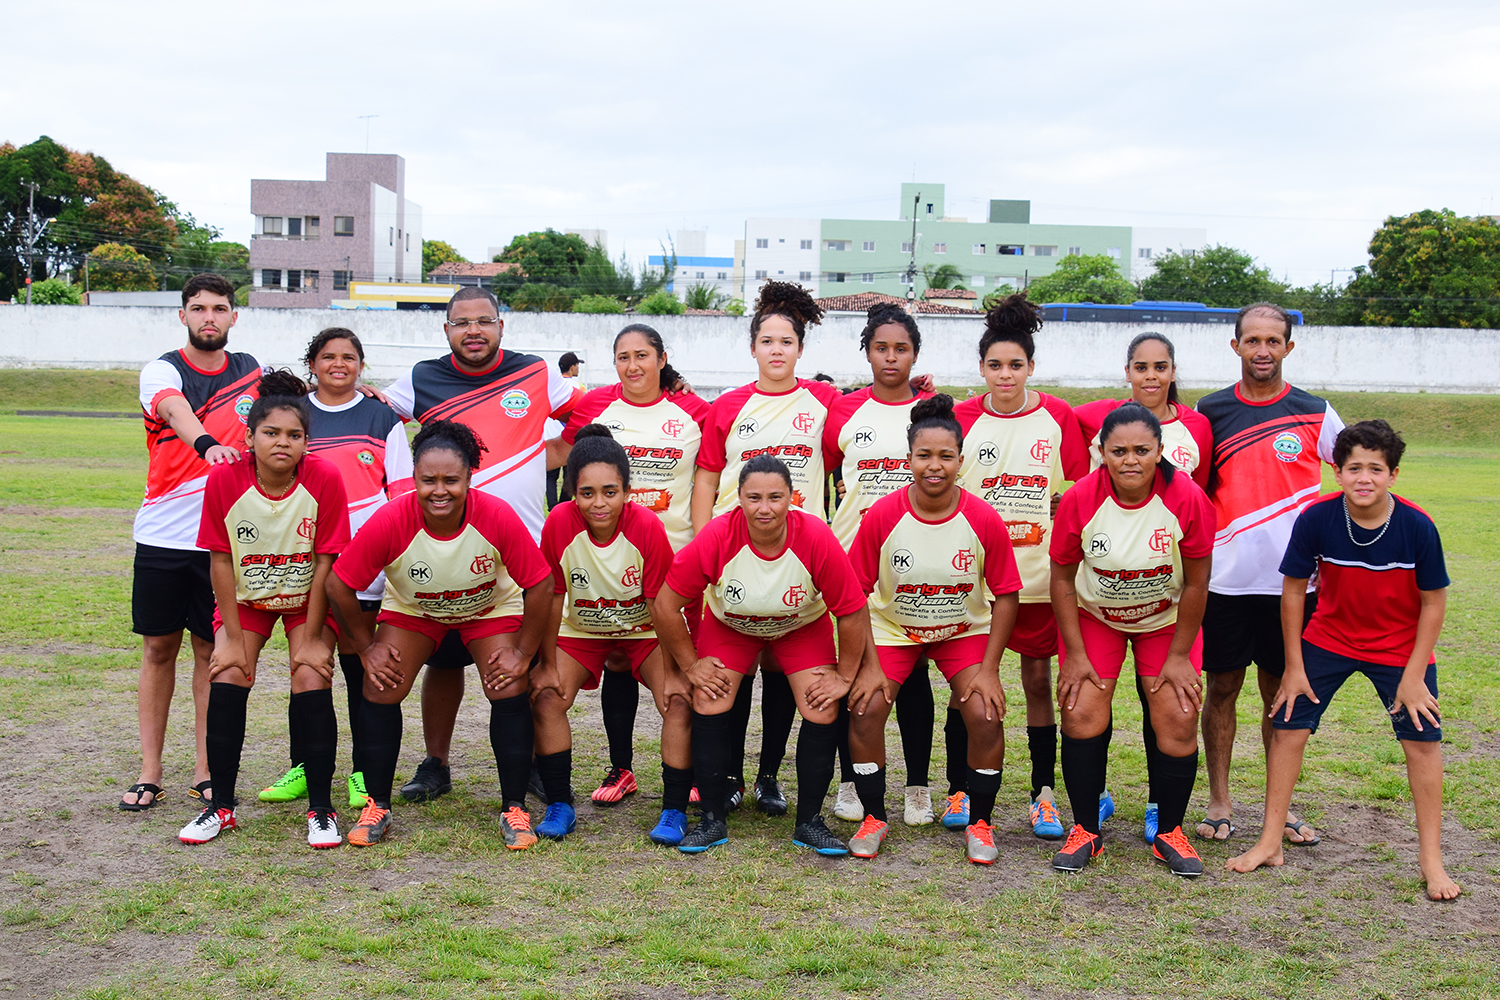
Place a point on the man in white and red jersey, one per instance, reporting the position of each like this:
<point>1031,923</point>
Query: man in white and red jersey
<point>194,400</point>
<point>506,397</point>
<point>1270,442</point>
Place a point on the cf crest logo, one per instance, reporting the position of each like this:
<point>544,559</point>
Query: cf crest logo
<point>482,565</point>
<point>748,427</point>
<point>802,423</point>
<point>246,532</point>
<point>672,428</point>
<point>901,560</point>
<point>864,437</point>
<point>1042,450</point>
<point>734,591</point>
<point>1099,545</point>
<point>1181,457</point>
<point>795,595</point>
<point>987,454</point>
<point>579,578</point>
<point>420,573</point>
<point>964,560</point>
<point>631,577</point>
<point>1161,541</point>
<point>307,528</point>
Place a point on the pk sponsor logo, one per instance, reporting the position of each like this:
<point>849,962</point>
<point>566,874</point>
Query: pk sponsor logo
<point>579,578</point>
<point>988,455</point>
<point>308,528</point>
<point>242,407</point>
<point>1099,546</point>
<point>515,403</point>
<point>631,577</point>
<point>747,428</point>
<point>246,532</point>
<point>794,596</point>
<point>1161,541</point>
<point>420,573</point>
<point>672,428</point>
<point>802,423</point>
<point>964,560</point>
<point>483,564</point>
<point>901,560</point>
<point>1288,446</point>
<point>612,424</point>
<point>864,437</point>
<point>734,591</point>
<point>1042,450</point>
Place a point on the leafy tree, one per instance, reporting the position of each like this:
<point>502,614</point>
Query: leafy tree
<point>538,296</point>
<point>1083,278</point>
<point>198,250</point>
<point>436,253</point>
<point>662,303</point>
<point>943,276</point>
<point>735,307</point>
<point>1326,305</point>
<point>704,297</point>
<point>598,304</point>
<point>55,292</point>
<point>1218,276</point>
<point>993,299</point>
<point>114,267</point>
<point>548,256</point>
<point>1431,268</point>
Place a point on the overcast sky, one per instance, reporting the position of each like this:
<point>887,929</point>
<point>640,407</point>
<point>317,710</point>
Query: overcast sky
<point>1290,130</point>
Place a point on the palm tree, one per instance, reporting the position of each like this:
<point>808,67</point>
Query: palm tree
<point>704,297</point>
<point>943,276</point>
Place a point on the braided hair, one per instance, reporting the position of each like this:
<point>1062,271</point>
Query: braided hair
<point>884,314</point>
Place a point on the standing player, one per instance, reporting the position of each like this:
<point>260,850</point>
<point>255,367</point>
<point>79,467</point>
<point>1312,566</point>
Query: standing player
<point>1130,565</point>
<point>506,398</point>
<point>782,416</point>
<point>768,577</point>
<point>1187,442</point>
<point>568,365</point>
<point>938,566</point>
<point>272,525</point>
<point>1019,447</point>
<point>193,399</point>
<point>1270,442</point>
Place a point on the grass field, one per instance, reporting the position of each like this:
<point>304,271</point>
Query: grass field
<point>96,903</point>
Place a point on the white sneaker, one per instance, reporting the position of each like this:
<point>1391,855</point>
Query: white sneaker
<point>323,828</point>
<point>918,805</point>
<point>848,806</point>
<point>209,824</point>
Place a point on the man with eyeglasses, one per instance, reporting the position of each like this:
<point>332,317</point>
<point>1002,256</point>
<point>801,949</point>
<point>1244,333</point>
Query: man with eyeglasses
<point>506,397</point>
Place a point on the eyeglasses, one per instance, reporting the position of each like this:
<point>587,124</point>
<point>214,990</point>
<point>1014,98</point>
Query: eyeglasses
<point>485,324</point>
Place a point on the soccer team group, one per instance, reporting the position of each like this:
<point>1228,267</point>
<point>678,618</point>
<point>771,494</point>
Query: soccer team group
<point>690,548</point>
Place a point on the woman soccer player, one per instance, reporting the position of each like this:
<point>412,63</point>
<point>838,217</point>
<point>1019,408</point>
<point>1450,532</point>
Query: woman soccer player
<point>367,443</point>
<point>454,559</point>
<point>782,416</point>
<point>769,577</point>
<point>1020,445</point>
<point>660,429</point>
<point>608,559</point>
<point>272,527</point>
<point>1187,442</point>
<point>1142,535</point>
<point>938,566</point>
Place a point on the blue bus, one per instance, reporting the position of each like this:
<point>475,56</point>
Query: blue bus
<point>1144,312</point>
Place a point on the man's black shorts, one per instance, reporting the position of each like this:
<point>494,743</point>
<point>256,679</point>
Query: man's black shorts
<point>172,592</point>
<point>450,653</point>
<point>1239,629</point>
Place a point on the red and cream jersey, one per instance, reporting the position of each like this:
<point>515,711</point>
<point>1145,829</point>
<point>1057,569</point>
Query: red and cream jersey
<point>1016,463</point>
<point>480,571</point>
<point>746,422</point>
<point>1187,441</point>
<point>1132,574</point>
<point>607,589</point>
<point>662,441</point>
<point>932,580</point>
<point>1267,465</point>
<point>767,596</point>
<point>867,436</point>
<point>175,476</point>
<point>274,542</point>
<point>507,406</point>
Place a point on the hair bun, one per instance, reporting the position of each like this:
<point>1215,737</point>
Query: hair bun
<point>593,431</point>
<point>280,382</point>
<point>1014,314</point>
<point>938,405</point>
<point>786,298</point>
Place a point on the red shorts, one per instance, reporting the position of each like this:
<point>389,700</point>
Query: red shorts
<point>264,622</point>
<point>468,631</point>
<point>1106,648</point>
<point>800,649</point>
<point>951,656</point>
<point>1035,634</point>
<point>592,653</point>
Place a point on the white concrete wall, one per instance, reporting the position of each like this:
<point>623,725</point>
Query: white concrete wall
<point>714,352</point>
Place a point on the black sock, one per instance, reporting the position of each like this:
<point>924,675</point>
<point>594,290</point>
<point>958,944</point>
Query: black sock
<point>225,736</point>
<point>816,745</point>
<point>313,711</point>
<point>1042,741</point>
<point>381,731</point>
<point>1148,737</point>
<point>354,684</point>
<point>778,710</point>
<point>871,788</point>
<point>511,738</point>
<point>846,760</point>
<point>619,697</point>
<point>1173,778</point>
<point>739,718</point>
<point>956,738</point>
<point>712,752</point>
<point>1083,763</point>
<point>916,717</point>
<point>982,791</point>
<point>676,786</point>
<point>556,770</point>
<point>295,750</point>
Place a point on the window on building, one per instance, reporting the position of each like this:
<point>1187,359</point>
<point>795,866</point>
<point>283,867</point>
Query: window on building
<point>929,208</point>
<point>781,240</point>
<point>700,274</point>
<point>723,275</point>
<point>408,242</point>
<point>905,278</point>
<point>1113,252</point>
<point>977,249</point>
<point>310,280</point>
<point>340,281</point>
<point>271,225</point>
<point>804,275</point>
<point>837,277</point>
<point>1144,253</point>
<point>270,278</point>
<point>1038,251</point>
<point>977,281</point>
<point>294,281</point>
<point>867,278</point>
<point>906,246</point>
<point>391,239</point>
<point>762,244</point>
<point>940,248</point>
<point>343,225</point>
<point>294,227</point>
<point>760,276</point>
<point>312,226</point>
<point>1009,249</point>
<point>807,244</point>
<point>1075,251</point>
<point>869,246</point>
<point>836,245</point>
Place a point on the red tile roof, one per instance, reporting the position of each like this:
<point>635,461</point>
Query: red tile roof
<point>949,293</point>
<point>865,301</point>
<point>455,268</point>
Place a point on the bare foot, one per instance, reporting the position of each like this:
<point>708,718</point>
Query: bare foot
<point>1439,886</point>
<point>1255,858</point>
<point>1215,828</point>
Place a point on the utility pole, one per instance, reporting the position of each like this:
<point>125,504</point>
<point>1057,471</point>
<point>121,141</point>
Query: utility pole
<point>31,235</point>
<point>911,266</point>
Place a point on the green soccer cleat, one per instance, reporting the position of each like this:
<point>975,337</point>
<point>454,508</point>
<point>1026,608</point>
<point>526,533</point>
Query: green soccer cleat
<point>357,793</point>
<point>288,788</point>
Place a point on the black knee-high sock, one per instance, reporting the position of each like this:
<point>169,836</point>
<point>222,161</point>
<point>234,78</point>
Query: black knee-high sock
<point>846,761</point>
<point>1148,737</point>
<point>739,719</point>
<point>225,728</point>
<point>511,737</point>
<point>295,750</point>
<point>778,710</point>
<point>1083,765</point>
<point>816,745</point>
<point>556,770</point>
<point>982,791</point>
<point>1042,741</point>
<point>1173,778</point>
<point>956,738</point>
<point>676,786</point>
<point>313,714</point>
<point>354,684</point>
<point>871,788</point>
<point>619,697</point>
<point>916,717</point>
<point>713,750</point>
<point>381,731</point>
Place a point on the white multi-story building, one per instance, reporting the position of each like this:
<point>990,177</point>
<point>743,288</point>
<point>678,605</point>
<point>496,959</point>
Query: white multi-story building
<point>781,250</point>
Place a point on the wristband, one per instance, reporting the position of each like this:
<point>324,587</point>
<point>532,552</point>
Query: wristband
<point>204,442</point>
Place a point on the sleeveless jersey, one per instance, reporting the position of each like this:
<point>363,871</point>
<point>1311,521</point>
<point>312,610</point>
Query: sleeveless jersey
<point>1186,440</point>
<point>746,422</point>
<point>868,438</point>
<point>607,589</point>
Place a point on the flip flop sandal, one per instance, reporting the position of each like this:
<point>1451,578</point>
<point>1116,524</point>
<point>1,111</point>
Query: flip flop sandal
<point>137,790</point>
<point>201,790</point>
<point>1297,828</point>
<point>1217,824</point>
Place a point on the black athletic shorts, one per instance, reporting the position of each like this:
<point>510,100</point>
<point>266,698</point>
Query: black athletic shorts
<point>171,592</point>
<point>451,652</point>
<point>1239,629</point>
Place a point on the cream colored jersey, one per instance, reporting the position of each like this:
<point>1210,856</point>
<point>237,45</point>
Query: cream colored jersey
<point>746,422</point>
<point>607,589</point>
<point>866,437</point>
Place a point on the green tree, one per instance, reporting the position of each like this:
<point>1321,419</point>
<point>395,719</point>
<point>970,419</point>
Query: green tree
<point>436,253</point>
<point>1431,268</point>
<point>1083,278</point>
<point>598,304</point>
<point>548,256</point>
<point>114,267</point>
<point>198,250</point>
<point>540,296</point>
<point>55,292</point>
<point>735,307</point>
<point>704,297</point>
<point>662,303</point>
<point>943,276</point>
<point>991,300</point>
<point>1218,276</point>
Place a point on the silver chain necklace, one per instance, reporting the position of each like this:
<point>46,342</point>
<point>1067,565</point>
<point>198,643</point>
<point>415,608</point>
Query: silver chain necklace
<point>1349,521</point>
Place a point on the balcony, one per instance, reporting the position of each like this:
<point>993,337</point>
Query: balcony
<point>281,236</point>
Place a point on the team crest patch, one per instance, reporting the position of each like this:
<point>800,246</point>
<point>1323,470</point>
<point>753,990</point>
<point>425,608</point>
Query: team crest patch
<point>367,457</point>
<point>242,407</point>
<point>1288,446</point>
<point>515,403</point>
